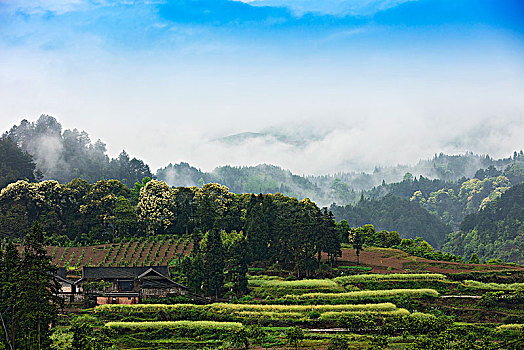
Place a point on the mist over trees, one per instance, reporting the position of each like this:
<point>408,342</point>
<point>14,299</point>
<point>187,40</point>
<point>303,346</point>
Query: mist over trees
<point>429,199</point>
<point>70,154</point>
<point>15,164</point>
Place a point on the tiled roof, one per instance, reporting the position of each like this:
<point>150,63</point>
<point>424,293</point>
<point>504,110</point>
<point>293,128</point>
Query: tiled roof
<point>120,272</point>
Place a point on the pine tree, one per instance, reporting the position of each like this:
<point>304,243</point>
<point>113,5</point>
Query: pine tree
<point>213,255</point>
<point>37,301</point>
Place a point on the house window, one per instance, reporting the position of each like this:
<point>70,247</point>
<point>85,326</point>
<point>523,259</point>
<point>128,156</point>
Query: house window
<point>126,285</point>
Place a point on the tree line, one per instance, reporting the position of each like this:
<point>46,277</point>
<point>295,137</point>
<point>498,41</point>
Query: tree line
<point>276,227</point>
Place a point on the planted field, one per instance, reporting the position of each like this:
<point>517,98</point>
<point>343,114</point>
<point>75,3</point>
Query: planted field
<point>494,286</point>
<point>277,287</point>
<point>245,312</point>
<point>390,277</point>
<point>148,325</point>
<point>364,296</point>
<point>142,252</point>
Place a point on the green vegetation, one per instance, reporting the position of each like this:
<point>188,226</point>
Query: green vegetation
<point>212,237</point>
<point>390,277</point>
<point>76,156</point>
<point>364,296</point>
<point>497,231</point>
<point>395,213</point>
<point>199,325</point>
<point>494,286</point>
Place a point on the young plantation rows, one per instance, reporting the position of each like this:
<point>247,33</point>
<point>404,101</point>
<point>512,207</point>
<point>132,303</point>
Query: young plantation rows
<point>140,252</point>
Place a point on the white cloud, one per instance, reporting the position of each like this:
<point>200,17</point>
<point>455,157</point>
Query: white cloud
<point>42,6</point>
<point>330,7</point>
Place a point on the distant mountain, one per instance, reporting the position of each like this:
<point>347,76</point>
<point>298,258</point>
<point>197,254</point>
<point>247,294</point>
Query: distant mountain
<point>448,172</point>
<point>496,231</point>
<point>293,135</point>
<point>258,179</point>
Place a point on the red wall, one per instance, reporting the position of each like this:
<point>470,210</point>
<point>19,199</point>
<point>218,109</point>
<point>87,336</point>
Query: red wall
<point>118,300</point>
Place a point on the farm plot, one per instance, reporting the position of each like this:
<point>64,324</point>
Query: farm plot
<point>284,314</point>
<point>264,287</point>
<point>141,252</point>
<point>366,296</point>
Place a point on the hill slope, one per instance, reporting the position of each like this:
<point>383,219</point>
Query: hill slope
<point>496,231</point>
<point>395,213</point>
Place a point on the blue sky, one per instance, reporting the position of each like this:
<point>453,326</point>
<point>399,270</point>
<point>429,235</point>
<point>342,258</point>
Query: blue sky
<point>173,75</point>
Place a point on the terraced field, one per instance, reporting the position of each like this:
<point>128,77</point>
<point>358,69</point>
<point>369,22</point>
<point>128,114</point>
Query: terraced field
<point>135,253</point>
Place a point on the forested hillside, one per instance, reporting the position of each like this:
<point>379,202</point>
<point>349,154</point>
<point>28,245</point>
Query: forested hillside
<point>276,227</point>
<point>70,154</point>
<point>262,178</point>
<point>496,231</point>
<point>395,213</point>
<point>451,201</point>
<point>15,164</point>
<point>428,199</point>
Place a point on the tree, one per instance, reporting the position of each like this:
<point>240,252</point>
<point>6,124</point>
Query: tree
<point>356,238</point>
<point>28,287</point>
<point>15,164</point>
<point>9,279</point>
<point>343,228</point>
<point>235,247</point>
<point>125,218</point>
<point>329,239</point>
<point>156,208</point>
<point>213,256</point>
<point>474,259</point>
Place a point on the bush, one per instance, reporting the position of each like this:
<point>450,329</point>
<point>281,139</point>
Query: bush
<point>339,343</point>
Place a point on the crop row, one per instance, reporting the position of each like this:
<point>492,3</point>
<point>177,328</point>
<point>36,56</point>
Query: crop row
<point>494,286</point>
<point>245,312</point>
<point>224,307</point>
<point>345,280</point>
<point>139,252</point>
<point>174,324</point>
<point>299,284</point>
<point>363,296</point>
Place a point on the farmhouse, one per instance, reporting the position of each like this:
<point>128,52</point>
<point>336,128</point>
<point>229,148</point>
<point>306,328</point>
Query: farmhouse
<point>67,289</point>
<point>128,285</point>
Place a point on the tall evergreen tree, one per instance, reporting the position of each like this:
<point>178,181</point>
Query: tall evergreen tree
<point>36,307</point>
<point>213,255</point>
<point>235,246</point>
